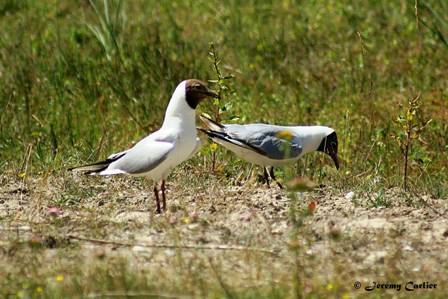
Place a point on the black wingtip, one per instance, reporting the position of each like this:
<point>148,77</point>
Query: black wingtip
<point>210,123</point>
<point>213,134</point>
<point>201,130</point>
<point>98,166</point>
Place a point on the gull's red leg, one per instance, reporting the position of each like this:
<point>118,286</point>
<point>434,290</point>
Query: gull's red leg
<point>163,196</point>
<point>156,194</point>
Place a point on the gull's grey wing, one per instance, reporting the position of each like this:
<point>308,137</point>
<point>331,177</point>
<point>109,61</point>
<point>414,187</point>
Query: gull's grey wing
<point>275,142</point>
<point>143,157</point>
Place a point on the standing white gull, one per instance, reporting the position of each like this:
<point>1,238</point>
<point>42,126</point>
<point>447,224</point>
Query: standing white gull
<point>271,145</point>
<point>157,154</point>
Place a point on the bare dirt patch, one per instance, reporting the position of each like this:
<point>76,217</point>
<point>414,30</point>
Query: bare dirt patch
<point>239,236</point>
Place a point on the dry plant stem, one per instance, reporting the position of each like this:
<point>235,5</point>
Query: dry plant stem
<point>169,246</point>
<point>136,294</point>
<point>24,166</point>
<point>249,175</point>
<point>406,155</point>
<point>213,161</point>
<point>101,143</point>
<point>413,106</point>
<point>416,13</point>
<point>224,287</point>
<point>25,170</point>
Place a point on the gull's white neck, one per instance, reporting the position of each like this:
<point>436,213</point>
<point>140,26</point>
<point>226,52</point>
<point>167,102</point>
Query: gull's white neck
<point>312,136</point>
<point>178,112</point>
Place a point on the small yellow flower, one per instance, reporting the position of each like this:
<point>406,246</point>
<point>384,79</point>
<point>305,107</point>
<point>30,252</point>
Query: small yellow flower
<point>346,296</point>
<point>330,286</point>
<point>21,174</point>
<point>60,278</point>
<point>213,147</point>
<point>39,290</point>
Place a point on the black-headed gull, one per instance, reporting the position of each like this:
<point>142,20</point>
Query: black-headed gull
<point>157,154</point>
<point>271,145</point>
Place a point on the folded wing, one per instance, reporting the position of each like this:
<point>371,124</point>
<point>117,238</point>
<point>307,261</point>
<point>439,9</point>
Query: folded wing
<point>275,142</point>
<point>142,158</point>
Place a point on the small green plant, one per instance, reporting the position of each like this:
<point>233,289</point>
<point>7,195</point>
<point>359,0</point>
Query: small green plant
<point>411,127</point>
<point>299,233</point>
<point>223,83</point>
<point>111,22</point>
<point>224,89</point>
<point>378,199</point>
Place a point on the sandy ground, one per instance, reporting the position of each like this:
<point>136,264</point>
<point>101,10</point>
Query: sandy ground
<point>249,231</point>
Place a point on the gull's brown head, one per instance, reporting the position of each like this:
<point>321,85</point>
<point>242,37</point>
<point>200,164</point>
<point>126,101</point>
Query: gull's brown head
<point>196,91</point>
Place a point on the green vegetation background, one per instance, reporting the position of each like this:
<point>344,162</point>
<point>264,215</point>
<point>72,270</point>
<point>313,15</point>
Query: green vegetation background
<point>77,84</point>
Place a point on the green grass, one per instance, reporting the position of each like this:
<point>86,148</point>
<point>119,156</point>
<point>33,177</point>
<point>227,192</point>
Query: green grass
<point>79,82</point>
<point>75,87</point>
